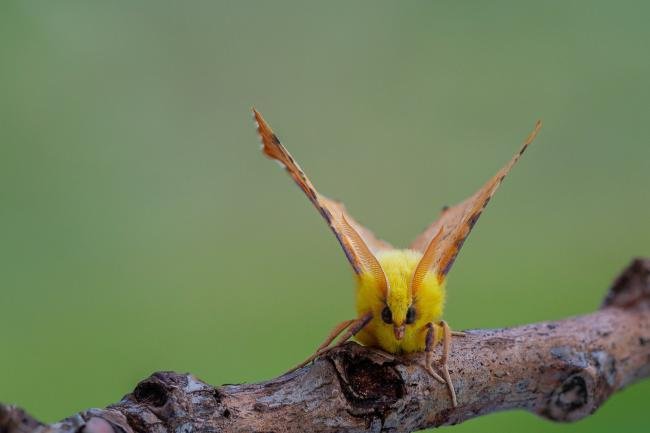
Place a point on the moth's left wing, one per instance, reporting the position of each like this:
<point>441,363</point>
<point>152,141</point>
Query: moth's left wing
<point>359,243</point>
<point>442,240</point>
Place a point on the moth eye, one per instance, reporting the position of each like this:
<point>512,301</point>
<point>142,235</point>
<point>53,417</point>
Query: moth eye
<point>410,315</point>
<point>386,315</point>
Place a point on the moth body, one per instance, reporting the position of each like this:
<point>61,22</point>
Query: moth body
<point>427,306</point>
<point>400,292</point>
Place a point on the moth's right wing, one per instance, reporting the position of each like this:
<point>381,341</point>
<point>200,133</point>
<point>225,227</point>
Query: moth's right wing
<point>359,244</point>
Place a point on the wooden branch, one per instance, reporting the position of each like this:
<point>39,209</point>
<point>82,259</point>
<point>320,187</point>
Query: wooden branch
<point>559,370</point>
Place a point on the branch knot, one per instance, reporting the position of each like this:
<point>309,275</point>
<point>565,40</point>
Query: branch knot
<point>632,287</point>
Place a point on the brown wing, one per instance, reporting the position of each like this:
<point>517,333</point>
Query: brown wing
<point>442,240</point>
<point>359,244</point>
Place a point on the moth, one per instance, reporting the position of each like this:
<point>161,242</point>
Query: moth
<point>400,293</point>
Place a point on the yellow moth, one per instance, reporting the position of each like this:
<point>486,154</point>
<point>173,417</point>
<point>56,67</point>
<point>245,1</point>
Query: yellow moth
<point>400,292</point>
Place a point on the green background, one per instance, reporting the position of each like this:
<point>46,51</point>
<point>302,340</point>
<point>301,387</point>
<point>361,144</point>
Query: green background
<point>142,230</point>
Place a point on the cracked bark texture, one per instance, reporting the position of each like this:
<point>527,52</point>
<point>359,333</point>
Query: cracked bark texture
<point>560,370</point>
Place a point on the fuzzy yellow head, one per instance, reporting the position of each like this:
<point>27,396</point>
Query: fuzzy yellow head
<point>400,314</point>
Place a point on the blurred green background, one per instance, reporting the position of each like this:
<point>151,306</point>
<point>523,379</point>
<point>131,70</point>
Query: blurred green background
<point>141,229</point>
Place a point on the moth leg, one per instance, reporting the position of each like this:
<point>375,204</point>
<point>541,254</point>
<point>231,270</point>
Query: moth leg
<point>446,346</point>
<point>428,350</point>
<point>353,327</point>
<point>335,333</point>
<point>332,335</point>
<point>458,334</point>
<point>352,330</point>
<point>356,326</point>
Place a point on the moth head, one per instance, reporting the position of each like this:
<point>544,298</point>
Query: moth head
<point>400,308</point>
<point>396,309</point>
<point>399,311</point>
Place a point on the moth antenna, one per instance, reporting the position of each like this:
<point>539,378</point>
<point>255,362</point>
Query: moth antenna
<point>424,265</point>
<point>367,259</point>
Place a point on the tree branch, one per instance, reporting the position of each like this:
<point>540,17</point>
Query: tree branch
<point>559,370</point>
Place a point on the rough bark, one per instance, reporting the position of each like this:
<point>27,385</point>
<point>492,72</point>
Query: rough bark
<point>560,370</point>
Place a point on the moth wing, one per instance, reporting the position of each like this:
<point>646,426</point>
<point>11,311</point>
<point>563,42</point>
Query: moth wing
<point>372,241</point>
<point>443,239</point>
<point>359,243</point>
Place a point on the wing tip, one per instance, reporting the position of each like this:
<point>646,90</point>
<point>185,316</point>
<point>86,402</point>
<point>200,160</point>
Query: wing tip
<point>260,124</point>
<point>264,132</point>
<point>534,132</point>
<point>529,139</point>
